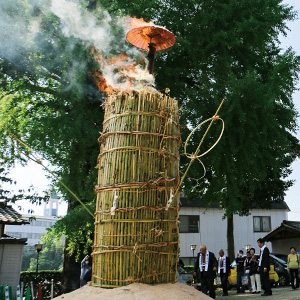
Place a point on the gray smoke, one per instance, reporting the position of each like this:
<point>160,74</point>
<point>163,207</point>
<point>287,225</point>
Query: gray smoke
<point>25,33</point>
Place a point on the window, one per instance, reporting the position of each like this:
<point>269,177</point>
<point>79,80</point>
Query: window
<point>189,224</point>
<point>262,224</point>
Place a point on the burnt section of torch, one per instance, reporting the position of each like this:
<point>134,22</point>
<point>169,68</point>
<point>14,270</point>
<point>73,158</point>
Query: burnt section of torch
<point>151,57</point>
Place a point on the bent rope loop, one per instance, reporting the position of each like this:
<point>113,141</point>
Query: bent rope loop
<point>195,155</point>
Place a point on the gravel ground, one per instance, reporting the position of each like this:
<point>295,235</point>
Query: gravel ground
<point>279,293</point>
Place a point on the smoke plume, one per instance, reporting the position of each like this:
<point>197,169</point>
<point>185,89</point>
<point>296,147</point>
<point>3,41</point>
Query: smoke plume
<point>24,30</point>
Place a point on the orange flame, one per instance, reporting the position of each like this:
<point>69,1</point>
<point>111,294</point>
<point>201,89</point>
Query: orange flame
<point>135,23</point>
<point>120,65</point>
<point>101,83</point>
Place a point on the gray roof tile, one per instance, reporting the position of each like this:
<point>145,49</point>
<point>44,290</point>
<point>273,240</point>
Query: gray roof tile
<point>9,216</point>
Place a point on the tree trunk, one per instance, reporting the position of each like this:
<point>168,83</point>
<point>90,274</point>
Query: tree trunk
<point>71,267</point>
<point>71,272</point>
<point>230,237</point>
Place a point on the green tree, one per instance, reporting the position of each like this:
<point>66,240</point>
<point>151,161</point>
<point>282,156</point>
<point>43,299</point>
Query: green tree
<point>49,100</point>
<point>230,50</point>
<point>49,258</point>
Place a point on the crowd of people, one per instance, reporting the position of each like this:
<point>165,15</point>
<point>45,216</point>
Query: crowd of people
<point>252,270</point>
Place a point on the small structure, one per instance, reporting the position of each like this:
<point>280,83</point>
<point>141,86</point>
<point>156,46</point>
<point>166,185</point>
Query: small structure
<point>284,236</point>
<point>11,249</point>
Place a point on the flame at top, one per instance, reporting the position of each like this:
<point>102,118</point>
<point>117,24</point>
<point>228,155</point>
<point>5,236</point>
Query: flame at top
<point>120,72</point>
<point>126,71</point>
<point>135,23</point>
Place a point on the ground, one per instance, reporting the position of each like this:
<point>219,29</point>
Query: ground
<point>279,293</point>
<point>137,291</point>
<point>177,291</point>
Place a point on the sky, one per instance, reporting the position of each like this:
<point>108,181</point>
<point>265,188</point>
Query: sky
<point>293,39</point>
<point>34,174</point>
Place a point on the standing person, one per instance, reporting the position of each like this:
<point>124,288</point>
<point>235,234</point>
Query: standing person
<point>293,265</point>
<point>85,267</point>
<point>240,260</point>
<point>207,263</point>
<point>247,268</point>
<point>254,275</point>
<point>264,267</point>
<point>224,270</point>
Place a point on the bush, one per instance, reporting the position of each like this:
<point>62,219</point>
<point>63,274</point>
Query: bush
<point>44,278</point>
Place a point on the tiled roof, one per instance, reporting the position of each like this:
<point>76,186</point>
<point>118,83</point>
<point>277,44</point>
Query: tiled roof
<point>185,202</point>
<point>9,216</point>
<point>293,224</point>
<point>287,229</point>
<point>6,239</point>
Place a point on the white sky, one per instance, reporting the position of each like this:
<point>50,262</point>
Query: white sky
<point>293,39</point>
<point>34,174</point>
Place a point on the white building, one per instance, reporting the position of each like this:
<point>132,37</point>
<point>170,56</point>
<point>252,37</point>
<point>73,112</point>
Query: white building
<point>11,249</point>
<point>205,226</point>
<point>34,231</point>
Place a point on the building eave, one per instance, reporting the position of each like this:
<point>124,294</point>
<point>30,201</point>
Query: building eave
<point>283,231</point>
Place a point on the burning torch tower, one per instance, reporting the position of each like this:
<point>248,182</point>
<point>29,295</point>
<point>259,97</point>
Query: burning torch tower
<point>136,227</point>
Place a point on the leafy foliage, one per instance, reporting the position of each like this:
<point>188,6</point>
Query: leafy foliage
<point>230,50</point>
<point>49,101</point>
<point>83,237</point>
<point>50,258</point>
<point>44,278</point>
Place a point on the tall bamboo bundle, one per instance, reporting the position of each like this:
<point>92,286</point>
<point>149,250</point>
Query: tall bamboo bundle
<point>136,230</point>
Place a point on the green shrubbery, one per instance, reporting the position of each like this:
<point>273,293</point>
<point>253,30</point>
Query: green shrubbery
<point>44,278</point>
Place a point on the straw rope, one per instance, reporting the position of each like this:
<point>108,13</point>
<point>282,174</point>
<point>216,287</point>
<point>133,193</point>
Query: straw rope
<point>107,134</point>
<point>135,247</point>
<point>151,182</point>
<point>142,149</point>
<point>127,209</point>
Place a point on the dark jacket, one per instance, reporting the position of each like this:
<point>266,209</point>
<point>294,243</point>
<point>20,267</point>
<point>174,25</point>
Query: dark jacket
<point>240,261</point>
<point>265,260</point>
<point>253,265</point>
<point>228,270</point>
<point>212,263</point>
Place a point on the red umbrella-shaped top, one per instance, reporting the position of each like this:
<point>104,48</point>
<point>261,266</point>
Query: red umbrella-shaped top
<point>159,37</point>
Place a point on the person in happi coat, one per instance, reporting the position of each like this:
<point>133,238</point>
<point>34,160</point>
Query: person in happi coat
<point>224,270</point>
<point>264,267</point>
<point>207,263</point>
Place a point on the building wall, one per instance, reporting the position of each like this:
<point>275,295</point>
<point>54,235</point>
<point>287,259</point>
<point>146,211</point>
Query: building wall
<point>213,230</point>
<point>33,231</point>
<point>283,246</point>
<point>10,264</point>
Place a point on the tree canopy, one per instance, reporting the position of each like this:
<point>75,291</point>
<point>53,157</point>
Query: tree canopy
<point>230,50</point>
